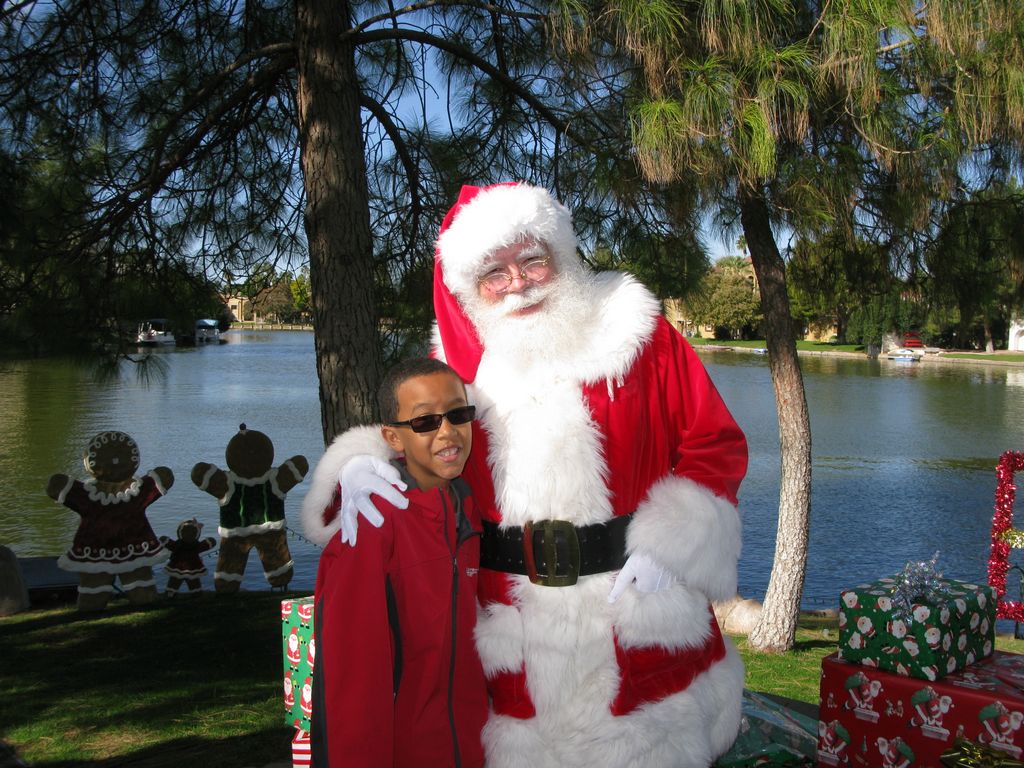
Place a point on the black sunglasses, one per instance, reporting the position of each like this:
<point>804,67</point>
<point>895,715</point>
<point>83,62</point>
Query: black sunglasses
<point>431,421</point>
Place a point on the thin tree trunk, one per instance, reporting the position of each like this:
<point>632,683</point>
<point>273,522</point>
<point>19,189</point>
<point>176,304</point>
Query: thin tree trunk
<point>776,630</point>
<point>337,217</point>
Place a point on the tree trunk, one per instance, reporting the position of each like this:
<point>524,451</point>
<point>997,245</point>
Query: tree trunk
<point>965,338</point>
<point>776,630</point>
<point>337,217</point>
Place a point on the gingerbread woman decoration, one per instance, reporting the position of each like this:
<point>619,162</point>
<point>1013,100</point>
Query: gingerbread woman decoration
<point>251,496</point>
<point>186,563</point>
<point>114,540</point>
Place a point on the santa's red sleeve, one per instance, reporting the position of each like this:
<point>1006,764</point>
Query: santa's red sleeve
<point>688,521</point>
<point>352,723</point>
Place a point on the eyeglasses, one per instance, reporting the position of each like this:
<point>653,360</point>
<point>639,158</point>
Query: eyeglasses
<point>532,270</point>
<point>432,421</point>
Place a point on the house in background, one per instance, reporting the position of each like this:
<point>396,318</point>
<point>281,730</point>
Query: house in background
<point>241,308</point>
<point>1015,336</point>
<point>675,312</point>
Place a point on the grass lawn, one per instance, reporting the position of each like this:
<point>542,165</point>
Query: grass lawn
<point>806,346</point>
<point>196,682</point>
<point>193,682</point>
<point>1006,357</point>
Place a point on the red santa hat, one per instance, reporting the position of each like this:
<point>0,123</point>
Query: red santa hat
<point>483,220</point>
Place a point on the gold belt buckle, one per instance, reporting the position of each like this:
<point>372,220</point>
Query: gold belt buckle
<point>549,529</point>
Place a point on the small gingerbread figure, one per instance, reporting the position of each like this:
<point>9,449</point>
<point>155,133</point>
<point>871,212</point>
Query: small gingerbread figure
<point>186,564</point>
<point>251,496</point>
<point>114,539</point>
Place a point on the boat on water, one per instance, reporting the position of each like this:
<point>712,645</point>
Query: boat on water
<point>155,333</point>
<point>207,332</point>
<point>904,354</point>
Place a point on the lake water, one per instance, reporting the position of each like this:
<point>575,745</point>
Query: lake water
<point>904,454</point>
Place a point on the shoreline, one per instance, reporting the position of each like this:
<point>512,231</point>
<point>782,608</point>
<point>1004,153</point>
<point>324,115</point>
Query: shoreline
<point>928,357</point>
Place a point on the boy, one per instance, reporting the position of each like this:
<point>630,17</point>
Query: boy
<point>397,680</point>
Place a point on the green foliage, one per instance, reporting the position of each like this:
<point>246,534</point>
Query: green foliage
<point>56,300</point>
<point>300,291</point>
<point>890,312</point>
<point>853,121</point>
<point>671,266</point>
<point>728,298</point>
<point>977,259</point>
<point>829,279</point>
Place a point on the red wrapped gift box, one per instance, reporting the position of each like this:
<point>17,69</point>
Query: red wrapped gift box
<point>301,754</point>
<point>868,717</point>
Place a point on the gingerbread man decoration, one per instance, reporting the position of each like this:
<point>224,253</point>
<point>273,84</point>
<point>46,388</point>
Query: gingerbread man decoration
<point>251,496</point>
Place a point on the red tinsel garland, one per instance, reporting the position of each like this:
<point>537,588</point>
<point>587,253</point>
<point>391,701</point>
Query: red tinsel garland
<point>1002,520</point>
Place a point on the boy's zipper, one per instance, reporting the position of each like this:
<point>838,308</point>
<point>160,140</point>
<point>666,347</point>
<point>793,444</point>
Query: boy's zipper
<point>454,613</point>
<point>453,549</point>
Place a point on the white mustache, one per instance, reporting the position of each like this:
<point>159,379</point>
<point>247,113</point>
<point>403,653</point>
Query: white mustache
<point>515,302</point>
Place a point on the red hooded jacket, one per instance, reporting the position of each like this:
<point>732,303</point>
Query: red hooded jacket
<point>397,680</point>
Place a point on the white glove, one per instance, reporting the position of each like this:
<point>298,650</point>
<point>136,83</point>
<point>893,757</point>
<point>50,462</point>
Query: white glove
<point>361,476</point>
<point>648,575</point>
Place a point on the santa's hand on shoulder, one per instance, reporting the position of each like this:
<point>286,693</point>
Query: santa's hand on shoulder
<point>361,477</point>
<point>644,573</point>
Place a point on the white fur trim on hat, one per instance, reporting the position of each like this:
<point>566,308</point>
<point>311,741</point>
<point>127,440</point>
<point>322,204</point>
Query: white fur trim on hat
<point>499,216</point>
<point>695,534</point>
<point>358,440</point>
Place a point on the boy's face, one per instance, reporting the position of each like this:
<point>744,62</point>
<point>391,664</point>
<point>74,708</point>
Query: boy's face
<point>432,458</point>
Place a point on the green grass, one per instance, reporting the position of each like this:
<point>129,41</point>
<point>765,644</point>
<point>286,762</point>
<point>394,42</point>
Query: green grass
<point>796,673</point>
<point>810,346</point>
<point>190,682</point>
<point>196,682</point>
<point>824,346</point>
<point>1006,357</point>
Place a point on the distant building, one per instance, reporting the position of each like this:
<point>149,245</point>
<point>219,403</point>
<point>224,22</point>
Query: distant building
<point>241,308</point>
<point>1015,337</point>
<point>821,333</point>
<point>676,313</point>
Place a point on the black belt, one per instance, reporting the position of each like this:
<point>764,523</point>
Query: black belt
<point>555,553</point>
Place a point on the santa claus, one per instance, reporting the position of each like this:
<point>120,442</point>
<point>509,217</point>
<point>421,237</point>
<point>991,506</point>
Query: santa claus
<point>606,467</point>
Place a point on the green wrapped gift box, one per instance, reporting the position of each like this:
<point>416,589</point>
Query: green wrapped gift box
<point>771,734</point>
<point>299,652</point>
<point>933,636</point>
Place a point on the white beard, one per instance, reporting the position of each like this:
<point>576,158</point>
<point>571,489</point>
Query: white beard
<point>551,332</point>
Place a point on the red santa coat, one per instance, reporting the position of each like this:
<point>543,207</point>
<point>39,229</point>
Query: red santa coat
<point>663,419</point>
<point>631,423</point>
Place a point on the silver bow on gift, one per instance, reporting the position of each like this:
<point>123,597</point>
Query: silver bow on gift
<point>917,583</point>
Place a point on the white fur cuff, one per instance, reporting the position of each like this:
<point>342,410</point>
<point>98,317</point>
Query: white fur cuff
<point>695,534</point>
<point>499,638</point>
<point>356,441</point>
